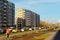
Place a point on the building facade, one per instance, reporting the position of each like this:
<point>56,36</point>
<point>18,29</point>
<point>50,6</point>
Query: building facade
<point>58,23</point>
<point>7,14</point>
<point>30,18</point>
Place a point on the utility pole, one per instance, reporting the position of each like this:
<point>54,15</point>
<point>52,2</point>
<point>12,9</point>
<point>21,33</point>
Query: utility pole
<point>21,24</point>
<point>34,23</point>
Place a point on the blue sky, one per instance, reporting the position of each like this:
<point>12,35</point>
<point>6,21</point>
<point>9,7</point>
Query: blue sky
<point>49,10</point>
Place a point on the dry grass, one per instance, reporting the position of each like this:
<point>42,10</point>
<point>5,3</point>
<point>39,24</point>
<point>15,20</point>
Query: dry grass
<point>41,37</point>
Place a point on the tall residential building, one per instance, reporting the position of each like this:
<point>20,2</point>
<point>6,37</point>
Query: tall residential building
<point>7,14</point>
<point>58,23</point>
<point>27,18</point>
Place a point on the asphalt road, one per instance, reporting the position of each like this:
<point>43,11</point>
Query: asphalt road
<point>57,36</point>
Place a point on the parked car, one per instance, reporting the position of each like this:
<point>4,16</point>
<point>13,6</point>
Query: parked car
<point>22,30</point>
<point>15,30</point>
<point>11,28</point>
<point>30,28</point>
<point>2,31</point>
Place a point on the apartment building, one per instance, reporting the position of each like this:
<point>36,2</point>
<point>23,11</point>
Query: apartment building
<point>27,18</point>
<point>7,14</point>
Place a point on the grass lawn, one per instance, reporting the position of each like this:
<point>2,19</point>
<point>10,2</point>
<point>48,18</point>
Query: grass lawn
<point>21,33</point>
<point>33,36</point>
<point>1,35</point>
<point>17,33</point>
<point>41,37</point>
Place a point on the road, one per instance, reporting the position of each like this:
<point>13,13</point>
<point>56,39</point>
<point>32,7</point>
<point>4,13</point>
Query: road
<point>57,36</point>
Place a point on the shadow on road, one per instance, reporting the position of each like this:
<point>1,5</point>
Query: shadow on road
<point>57,36</point>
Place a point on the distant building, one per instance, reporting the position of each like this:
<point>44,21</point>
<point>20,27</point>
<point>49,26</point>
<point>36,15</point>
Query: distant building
<point>58,23</point>
<point>27,18</point>
<point>7,14</point>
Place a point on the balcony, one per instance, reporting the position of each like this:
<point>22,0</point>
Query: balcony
<point>4,14</point>
<point>4,10</point>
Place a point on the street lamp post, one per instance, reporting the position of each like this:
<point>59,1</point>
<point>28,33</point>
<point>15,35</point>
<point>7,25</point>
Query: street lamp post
<point>34,23</point>
<point>16,24</point>
<point>21,25</point>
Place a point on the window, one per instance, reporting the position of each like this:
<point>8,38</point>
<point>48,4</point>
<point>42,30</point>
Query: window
<point>4,10</point>
<point>5,3</point>
<point>0,24</point>
<point>4,24</point>
<point>0,21</point>
<point>5,21</point>
<point>4,14</point>
<point>0,13</point>
<point>4,6</point>
<point>0,8</point>
<point>0,17</point>
<point>4,17</point>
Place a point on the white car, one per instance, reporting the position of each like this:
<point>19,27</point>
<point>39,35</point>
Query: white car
<point>10,29</point>
<point>39,28</point>
<point>22,30</point>
<point>30,28</point>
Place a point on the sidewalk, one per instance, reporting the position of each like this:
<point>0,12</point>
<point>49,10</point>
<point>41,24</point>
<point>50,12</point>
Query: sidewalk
<point>51,36</point>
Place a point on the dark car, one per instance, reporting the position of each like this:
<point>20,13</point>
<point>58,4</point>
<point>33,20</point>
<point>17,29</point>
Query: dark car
<point>2,31</point>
